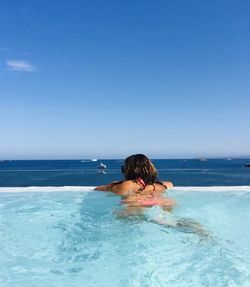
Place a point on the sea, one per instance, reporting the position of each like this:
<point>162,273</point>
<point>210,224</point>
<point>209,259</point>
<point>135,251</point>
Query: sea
<point>84,172</point>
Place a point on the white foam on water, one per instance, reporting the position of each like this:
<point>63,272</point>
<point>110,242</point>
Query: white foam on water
<point>244,188</point>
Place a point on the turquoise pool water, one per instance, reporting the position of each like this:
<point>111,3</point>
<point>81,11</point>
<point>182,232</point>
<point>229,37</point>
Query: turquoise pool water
<point>73,236</point>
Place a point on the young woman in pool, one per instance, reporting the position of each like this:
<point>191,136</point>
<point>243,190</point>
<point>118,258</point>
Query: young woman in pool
<point>140,187</point>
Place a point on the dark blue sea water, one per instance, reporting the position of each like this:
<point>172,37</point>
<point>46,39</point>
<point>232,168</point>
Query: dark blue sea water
<point>213,172</point>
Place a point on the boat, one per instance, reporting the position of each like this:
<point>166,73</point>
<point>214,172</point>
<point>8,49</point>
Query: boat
<point>102,166</point>
<point>201,159</point>
<point>247,165</point>
<point>89,160</point>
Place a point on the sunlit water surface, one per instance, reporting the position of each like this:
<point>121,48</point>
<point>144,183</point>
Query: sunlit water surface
<point>77,238</point>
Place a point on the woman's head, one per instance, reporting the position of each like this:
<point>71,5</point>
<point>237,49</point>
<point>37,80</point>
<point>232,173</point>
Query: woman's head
<point>139,165</point>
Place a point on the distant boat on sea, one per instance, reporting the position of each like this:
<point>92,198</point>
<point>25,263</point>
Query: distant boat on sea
<point>247,165</point>
<point>89,160</point>
<point>101,168</point>
<point>201,159</point>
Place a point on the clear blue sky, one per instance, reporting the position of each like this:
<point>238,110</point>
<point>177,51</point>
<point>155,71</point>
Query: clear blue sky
<point>83,79</point>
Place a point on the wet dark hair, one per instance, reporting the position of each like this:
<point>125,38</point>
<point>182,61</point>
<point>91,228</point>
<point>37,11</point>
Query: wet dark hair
<point>139,166</point>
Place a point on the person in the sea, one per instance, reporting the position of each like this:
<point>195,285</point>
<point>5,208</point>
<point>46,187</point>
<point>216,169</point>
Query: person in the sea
<point>140,187</point>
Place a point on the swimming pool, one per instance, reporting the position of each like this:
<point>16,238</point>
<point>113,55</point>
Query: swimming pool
<point>75,237</point>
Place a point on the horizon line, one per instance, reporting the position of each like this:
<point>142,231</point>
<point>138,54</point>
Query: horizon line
<point>117,158</point>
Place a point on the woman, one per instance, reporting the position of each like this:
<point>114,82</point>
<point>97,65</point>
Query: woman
<point>140,187</point>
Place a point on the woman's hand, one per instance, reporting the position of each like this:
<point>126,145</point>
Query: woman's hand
<point>168,184</point>
<point>107,187</point>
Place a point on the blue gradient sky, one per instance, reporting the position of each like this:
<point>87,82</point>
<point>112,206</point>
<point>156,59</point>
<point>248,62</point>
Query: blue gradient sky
<point>83,79</point>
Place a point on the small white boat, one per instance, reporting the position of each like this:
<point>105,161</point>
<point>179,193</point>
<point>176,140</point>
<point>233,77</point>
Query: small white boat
<point>102,166</point>
<point>94,159</point>
<point>201,159</point>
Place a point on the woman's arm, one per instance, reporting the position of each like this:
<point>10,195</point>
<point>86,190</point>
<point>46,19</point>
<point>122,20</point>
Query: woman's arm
<point>119,188</point>
<point>107,187</point>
